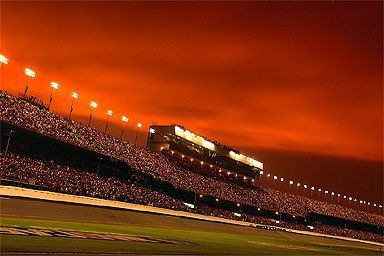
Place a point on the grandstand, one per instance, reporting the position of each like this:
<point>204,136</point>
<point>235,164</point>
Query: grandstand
<point>184,143</point>
<point>49,152</point>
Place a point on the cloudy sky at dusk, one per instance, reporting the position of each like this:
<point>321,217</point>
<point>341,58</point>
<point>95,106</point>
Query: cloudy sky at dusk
<point>298,86</point>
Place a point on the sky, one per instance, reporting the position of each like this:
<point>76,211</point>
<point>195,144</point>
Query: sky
<point>296,85</point>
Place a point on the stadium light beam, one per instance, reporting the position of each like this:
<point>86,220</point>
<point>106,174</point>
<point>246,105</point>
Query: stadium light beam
<point>30,74</point>
<point>55,86</point>
<point>75,96</point>
<point>93,106</point>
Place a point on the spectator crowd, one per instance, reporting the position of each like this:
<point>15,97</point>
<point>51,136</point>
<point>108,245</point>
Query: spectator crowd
<point>21,113</point>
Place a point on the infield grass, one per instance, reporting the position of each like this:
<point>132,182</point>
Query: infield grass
<point>204,243</point>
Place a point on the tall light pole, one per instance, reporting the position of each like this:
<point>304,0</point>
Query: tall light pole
<point>29,73</point>
<point>152,131</point>
<point>318,192</point>
<point>139,125</point>
<point>55,86</point>
<point>281,180</point>
<point>297,187</point>
<point>290,184</point>
<point>75,95</point>
<point>312,189</point>
<point>261,175</point>
<point>3,60</point>
<point>109,114</point>
<point>125,120</point>
<point>304,188</point>
<point>93,106</point>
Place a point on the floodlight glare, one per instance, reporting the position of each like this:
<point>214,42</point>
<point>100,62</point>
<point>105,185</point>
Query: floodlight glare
<point>151,130</point>
<point>30,72</point>
<point>93,104</point>
<point>3,59</point>
<point>109,112</point>
<point>124,119</point>
<point>55,85</point>
<point>139,125</point>
<point>75,95</point>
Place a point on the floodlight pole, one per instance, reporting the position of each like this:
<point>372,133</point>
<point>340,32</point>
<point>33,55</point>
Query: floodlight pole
<point>70,111</point>
<point>50,98</point>
<point>90,117</point>
<point>26,86</point>
<point>122,131</point>
<point>106,124</point>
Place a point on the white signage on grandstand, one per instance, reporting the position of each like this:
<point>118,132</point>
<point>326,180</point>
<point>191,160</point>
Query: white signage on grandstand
<point>189,205</point>
<point>245,159</point>
<point>190,136</point>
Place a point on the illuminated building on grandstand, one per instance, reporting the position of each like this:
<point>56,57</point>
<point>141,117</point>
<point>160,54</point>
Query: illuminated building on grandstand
<point>187,144</point>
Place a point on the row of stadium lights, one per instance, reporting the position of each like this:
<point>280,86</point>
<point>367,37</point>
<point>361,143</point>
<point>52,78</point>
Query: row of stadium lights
<point>319,190</point>
<point>93,105</point>
<point>55,86</point>
<point>297,185</point>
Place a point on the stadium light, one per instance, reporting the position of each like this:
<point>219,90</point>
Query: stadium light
<point>3,60</point>
<point>75,95</point>
<point>312,189</point>
<point>261,172</point>
<point>238,205</point>
<point>124,120</point>
<point>268,175</point>
<point>55,86</point>
<point>290,184</point>
<point>151,130</point>
<point>380,206</point>
<point>282,179</point>
<point>109,114</point>
<point>139,125</point>
<point>217,200</point>
<point>201,162</point>
<point>93,106</point>
<point>182,156</point>
<point>30,74</point>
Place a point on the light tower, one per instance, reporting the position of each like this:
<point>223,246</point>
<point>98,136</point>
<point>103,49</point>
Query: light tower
<point>55,86</point>
<point>139,125</point>
<point>125,120</point>
<point>109,114</point>
<point>75,95</point>
<point>29,73</point>
<point>93,106</point>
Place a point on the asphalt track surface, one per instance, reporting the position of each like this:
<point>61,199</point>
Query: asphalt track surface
<point>48,210</point>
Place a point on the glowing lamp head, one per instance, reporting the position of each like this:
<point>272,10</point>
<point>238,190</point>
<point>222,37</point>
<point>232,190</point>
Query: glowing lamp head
<point>312,188</point>
<point>238,205</point>
<point>245,178</point>
<point>275,177</point>
<point>281,179</point>
<point>139,125</point>
<point>30,72</point>
<point>124,119</point>
<point>305,186</point>
<point>298,184</point>
<point>93,104</point>
<point>333,193</point>
<point>350,198</point>
<point>201,162</point>
<point>326,191</point>
<point>268,175</point>
<point>261,172</point>
<point>291,182</point>
<point>109,112</point>
<point>319,190</point>
<point>151,130</point>
<point>75,95</point>
<point>277,213</point>
<point>55,85</point>
<point>3,59</point>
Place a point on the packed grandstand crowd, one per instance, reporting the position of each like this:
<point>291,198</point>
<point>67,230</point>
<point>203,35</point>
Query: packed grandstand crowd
<point>24,114</point>
<point>64,179</point>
